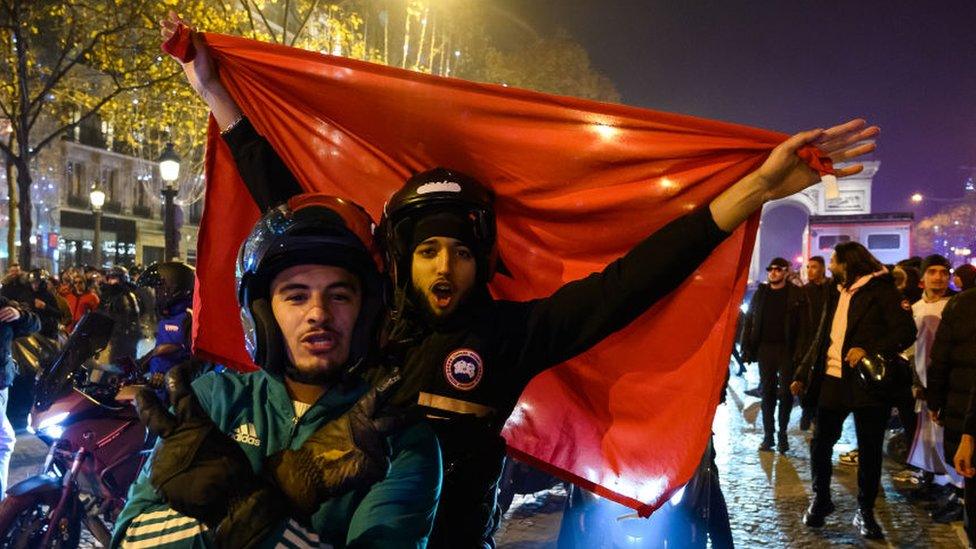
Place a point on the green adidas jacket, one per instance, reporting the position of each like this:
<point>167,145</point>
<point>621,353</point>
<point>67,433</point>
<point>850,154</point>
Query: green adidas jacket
<point>256,411</point>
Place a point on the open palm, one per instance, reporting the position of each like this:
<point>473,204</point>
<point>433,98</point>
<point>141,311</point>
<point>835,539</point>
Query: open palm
<point>784,173</point>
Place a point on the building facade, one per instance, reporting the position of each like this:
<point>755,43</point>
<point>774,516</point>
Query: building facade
<point>132,216</point>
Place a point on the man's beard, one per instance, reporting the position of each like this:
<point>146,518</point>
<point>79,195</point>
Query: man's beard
<point>314,377</point>
<point>426,310</point>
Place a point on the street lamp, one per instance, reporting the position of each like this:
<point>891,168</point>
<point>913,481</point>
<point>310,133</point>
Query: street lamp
<point>917,198</point>
<point>97,199</point>
<point>169,170</point>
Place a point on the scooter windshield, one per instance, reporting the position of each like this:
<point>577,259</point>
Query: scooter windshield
<point>54,378</point>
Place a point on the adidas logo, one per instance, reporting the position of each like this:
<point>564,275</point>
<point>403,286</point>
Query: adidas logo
<point>247,434</point>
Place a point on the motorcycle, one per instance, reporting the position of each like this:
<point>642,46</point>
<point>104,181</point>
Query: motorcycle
<point>97,446</point>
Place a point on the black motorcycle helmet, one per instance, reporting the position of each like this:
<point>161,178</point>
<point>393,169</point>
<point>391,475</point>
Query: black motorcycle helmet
<point>41,276</point>
<point>118,271</point>
<point>172,281</point>
<point>458,200</point>
<point>309,229</point>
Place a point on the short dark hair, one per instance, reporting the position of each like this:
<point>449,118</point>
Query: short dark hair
<point>857,261</point>
<point>818,258</point>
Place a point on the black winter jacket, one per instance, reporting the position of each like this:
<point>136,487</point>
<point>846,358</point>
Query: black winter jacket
<point>876,322</point>
<point>23,326</point>
<point>753,321</point>
<point>49,314</point>
<point>952,370</point>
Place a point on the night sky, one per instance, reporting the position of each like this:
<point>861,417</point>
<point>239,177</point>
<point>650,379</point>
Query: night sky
<point>909,67</point>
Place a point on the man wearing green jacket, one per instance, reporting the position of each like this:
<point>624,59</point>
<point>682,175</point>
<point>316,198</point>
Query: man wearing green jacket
<point>301,452</point>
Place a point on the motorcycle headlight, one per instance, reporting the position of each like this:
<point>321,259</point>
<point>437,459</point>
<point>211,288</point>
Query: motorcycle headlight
<point>50,427</point>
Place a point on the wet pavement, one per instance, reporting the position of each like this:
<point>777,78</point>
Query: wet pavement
<point>766,492</point>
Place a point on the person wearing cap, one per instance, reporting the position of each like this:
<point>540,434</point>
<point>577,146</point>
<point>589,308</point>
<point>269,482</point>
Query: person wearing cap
<point>302,452</point>
<point>927,440</point>
<point>865,317</point>
<point>964,277</point>
<point>769,336</point>
<point>465,356</point>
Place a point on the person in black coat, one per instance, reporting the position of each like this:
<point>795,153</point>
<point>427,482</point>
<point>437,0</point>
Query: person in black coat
<point>769,336</point>
<point>43,303</point>
<point>122,305</point>
<point>816,293</point>
<point>951,387</point>
<point>864,316</point>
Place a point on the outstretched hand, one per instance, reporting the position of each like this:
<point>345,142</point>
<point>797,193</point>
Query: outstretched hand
<point>785,173</point>
<point>200,70</point>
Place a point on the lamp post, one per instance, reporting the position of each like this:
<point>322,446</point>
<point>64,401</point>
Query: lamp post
<point>169,170</point>
<point>97,199</point>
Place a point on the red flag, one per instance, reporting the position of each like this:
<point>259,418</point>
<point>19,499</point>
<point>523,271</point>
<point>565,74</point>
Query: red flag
<point>577,183</point>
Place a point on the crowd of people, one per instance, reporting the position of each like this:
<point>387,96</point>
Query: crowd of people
<point>886,343</point>
<point>148,307</point>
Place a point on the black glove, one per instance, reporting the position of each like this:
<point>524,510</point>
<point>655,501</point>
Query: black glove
<point>349,452</point>
<point>200,471</point>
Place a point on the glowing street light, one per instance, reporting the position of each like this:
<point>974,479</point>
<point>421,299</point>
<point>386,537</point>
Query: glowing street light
<point>917,198</point>
<point>169,164</point>
<point>97,199</point>
<point>169,170</point>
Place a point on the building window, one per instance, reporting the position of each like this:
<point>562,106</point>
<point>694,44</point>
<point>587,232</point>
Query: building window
<point>884,241</point>
<point>110,178</point>
<point>140,192</point>
<point>829,241</point>
<point>76,179</point>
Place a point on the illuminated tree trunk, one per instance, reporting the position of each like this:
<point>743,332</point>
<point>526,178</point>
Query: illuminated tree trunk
<point>11,209</point>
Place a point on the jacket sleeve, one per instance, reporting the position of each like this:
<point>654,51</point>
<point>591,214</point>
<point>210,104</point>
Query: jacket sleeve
<point>901,330</point>
<point>969,422</point>
<point>583,312</point>
<point>27,324</point>
<point>266,177</point>
<point>398,512</point>
<point>748,327</point>
<point>147,521</point>
<point>940,366</point>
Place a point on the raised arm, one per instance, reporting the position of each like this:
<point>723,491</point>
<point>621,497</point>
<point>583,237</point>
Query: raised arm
<point>201,73</point>
<point>784,173</point>
<point>266,177</point>
<point>583,312</point>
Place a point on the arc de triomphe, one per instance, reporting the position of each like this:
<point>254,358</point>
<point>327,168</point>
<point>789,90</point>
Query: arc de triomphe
<point>855,198</point>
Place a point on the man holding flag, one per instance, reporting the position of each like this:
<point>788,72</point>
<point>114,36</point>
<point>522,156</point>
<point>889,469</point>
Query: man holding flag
<point>466,357</point>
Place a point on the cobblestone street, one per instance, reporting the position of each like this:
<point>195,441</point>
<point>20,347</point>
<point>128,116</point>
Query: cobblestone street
<point>766,492</point>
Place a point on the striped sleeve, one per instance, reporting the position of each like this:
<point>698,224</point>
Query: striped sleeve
<point>167,529</point>
<point>294,536</point>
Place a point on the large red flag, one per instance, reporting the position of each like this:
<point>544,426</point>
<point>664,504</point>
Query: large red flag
<point>577,184</point>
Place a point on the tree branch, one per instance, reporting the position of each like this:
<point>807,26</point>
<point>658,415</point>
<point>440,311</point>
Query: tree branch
<point>7,151</point>
<point>57,76</point>
<point>301,27</point>
<point>94,110</point>
<point>267,25</point>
